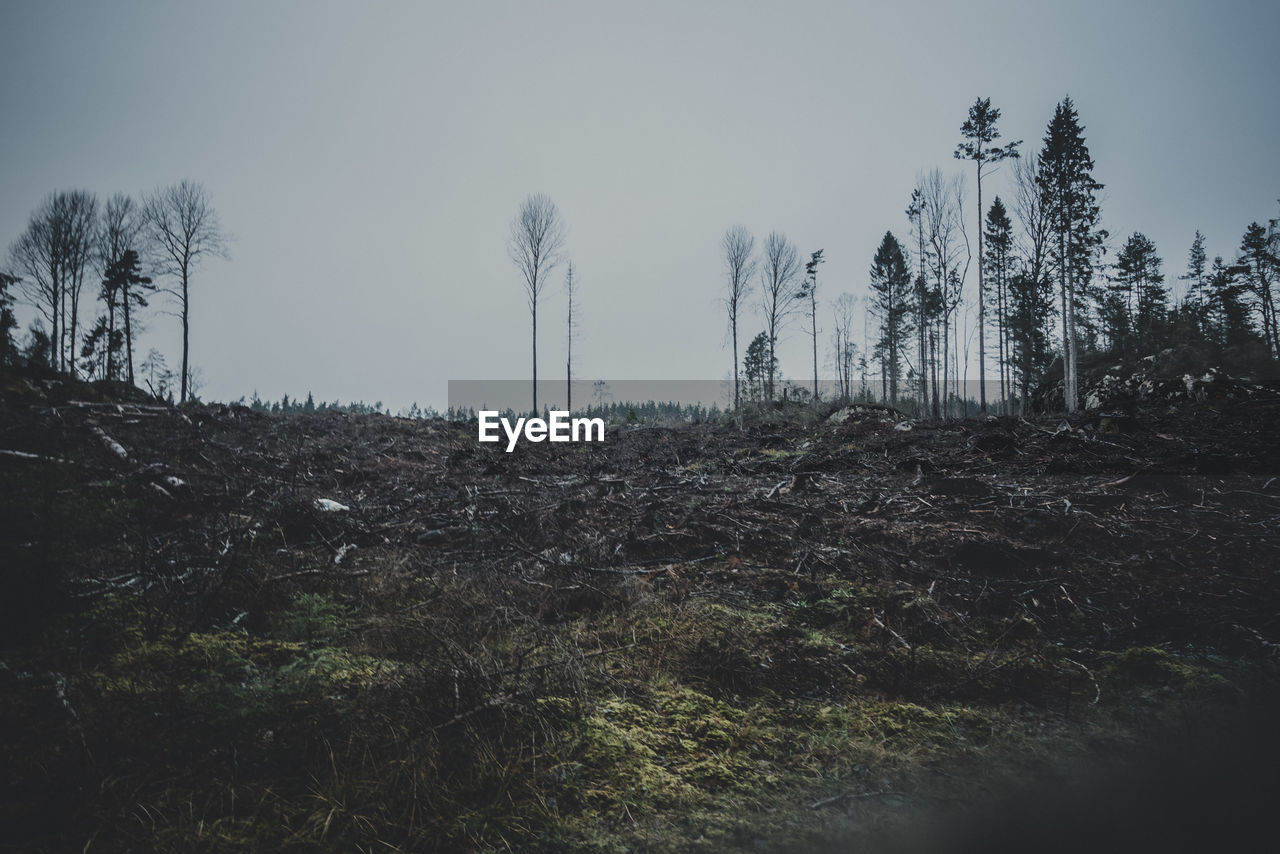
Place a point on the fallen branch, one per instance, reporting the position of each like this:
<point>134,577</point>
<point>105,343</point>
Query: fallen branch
<point>24,455</point>
<point>111,444</point>
<point>856,796</point>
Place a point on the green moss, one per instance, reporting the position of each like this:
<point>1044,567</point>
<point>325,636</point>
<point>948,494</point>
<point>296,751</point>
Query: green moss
<point>677,751</point>
<point>1152,667</point>
<point>311,617</point>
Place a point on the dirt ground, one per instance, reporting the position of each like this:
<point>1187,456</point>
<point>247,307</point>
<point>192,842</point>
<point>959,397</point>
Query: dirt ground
<point>235,629</point>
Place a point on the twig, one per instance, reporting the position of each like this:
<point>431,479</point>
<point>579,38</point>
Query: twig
<point>857,796</point>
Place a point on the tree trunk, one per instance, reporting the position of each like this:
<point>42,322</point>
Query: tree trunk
<point>186,332</point>
<point>734,324</point>
<point>128,332</point>
<point>534,312</point>
<point>75,324</point>
<point>982,308</point>
<point>813,320</point>
<point>568,363</point>
<point>933,369</point>
<point>946,367</point>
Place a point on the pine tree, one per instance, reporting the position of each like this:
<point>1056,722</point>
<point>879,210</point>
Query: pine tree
<point>1195,275</point>
<point>1228,315</point>
<point>979,132</point>
<point>759,365</point>
<point>809,291</point>
<point>1069,196</point>
<point>999,260</point>
<point>915,214</point>
<point>1136,304</point>
<point>1259,268</point>
<point>8,322</point>
<point>123,280</point>
<point>891,302</point>
<point>1030,304</point>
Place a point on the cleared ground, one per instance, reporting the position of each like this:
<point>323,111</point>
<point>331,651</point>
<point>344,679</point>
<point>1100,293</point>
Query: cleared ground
<point>686,638</point>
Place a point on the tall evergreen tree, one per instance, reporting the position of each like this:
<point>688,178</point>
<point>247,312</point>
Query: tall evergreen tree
<point>1139,299</point>
<point>1069,196</point>
<point>1030,305</point>
<point>124,279</point>
<point>810,292</point>
<point>999,260</point>
<point>1259,267</point>
<point>891,302</point>
<point>980,133</point>
<point>1197,265</point>
<point>915,214</point>
<point>1188,318</point>
<point>8,322</point>
<point>1227,313</point>
<point>758,366</point>
<point>1139,266</point>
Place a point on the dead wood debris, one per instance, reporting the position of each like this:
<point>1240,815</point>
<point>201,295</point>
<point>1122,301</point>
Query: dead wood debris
<point>971,532</point>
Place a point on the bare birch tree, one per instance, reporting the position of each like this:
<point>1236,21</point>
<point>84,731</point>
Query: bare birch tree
<point>844,351</point>
<point>948,249</point>
<point>571,332</point>
<point>536,246</point>
<point>740,265</point>
<point>184,230</point>
<point>53,254</point>
<point>779,273</point>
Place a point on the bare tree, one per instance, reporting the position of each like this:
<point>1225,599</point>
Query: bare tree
<point>184,229</point>
<point>37,255</point>
<point>536,246</point>
<point>571,292</point>
<point>844,350</point>
<point>740,265</point>
<point>778,275</point>
<point>1028,204</point>
<point>53,254</point>
<point>948,249</point>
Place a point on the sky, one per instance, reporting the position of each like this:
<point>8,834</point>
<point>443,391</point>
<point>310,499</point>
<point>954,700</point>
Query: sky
<point>367,158</point>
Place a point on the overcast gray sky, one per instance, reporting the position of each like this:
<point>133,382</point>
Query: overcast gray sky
<point>368,157</point>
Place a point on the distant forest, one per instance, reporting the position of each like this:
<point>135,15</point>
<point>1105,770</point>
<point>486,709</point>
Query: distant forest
<point>613,412</point>
<point>1053,288</point>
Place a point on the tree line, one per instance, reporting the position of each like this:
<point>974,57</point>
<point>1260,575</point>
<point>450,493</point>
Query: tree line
<point>1051,285</point>
<point>89,268</point>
